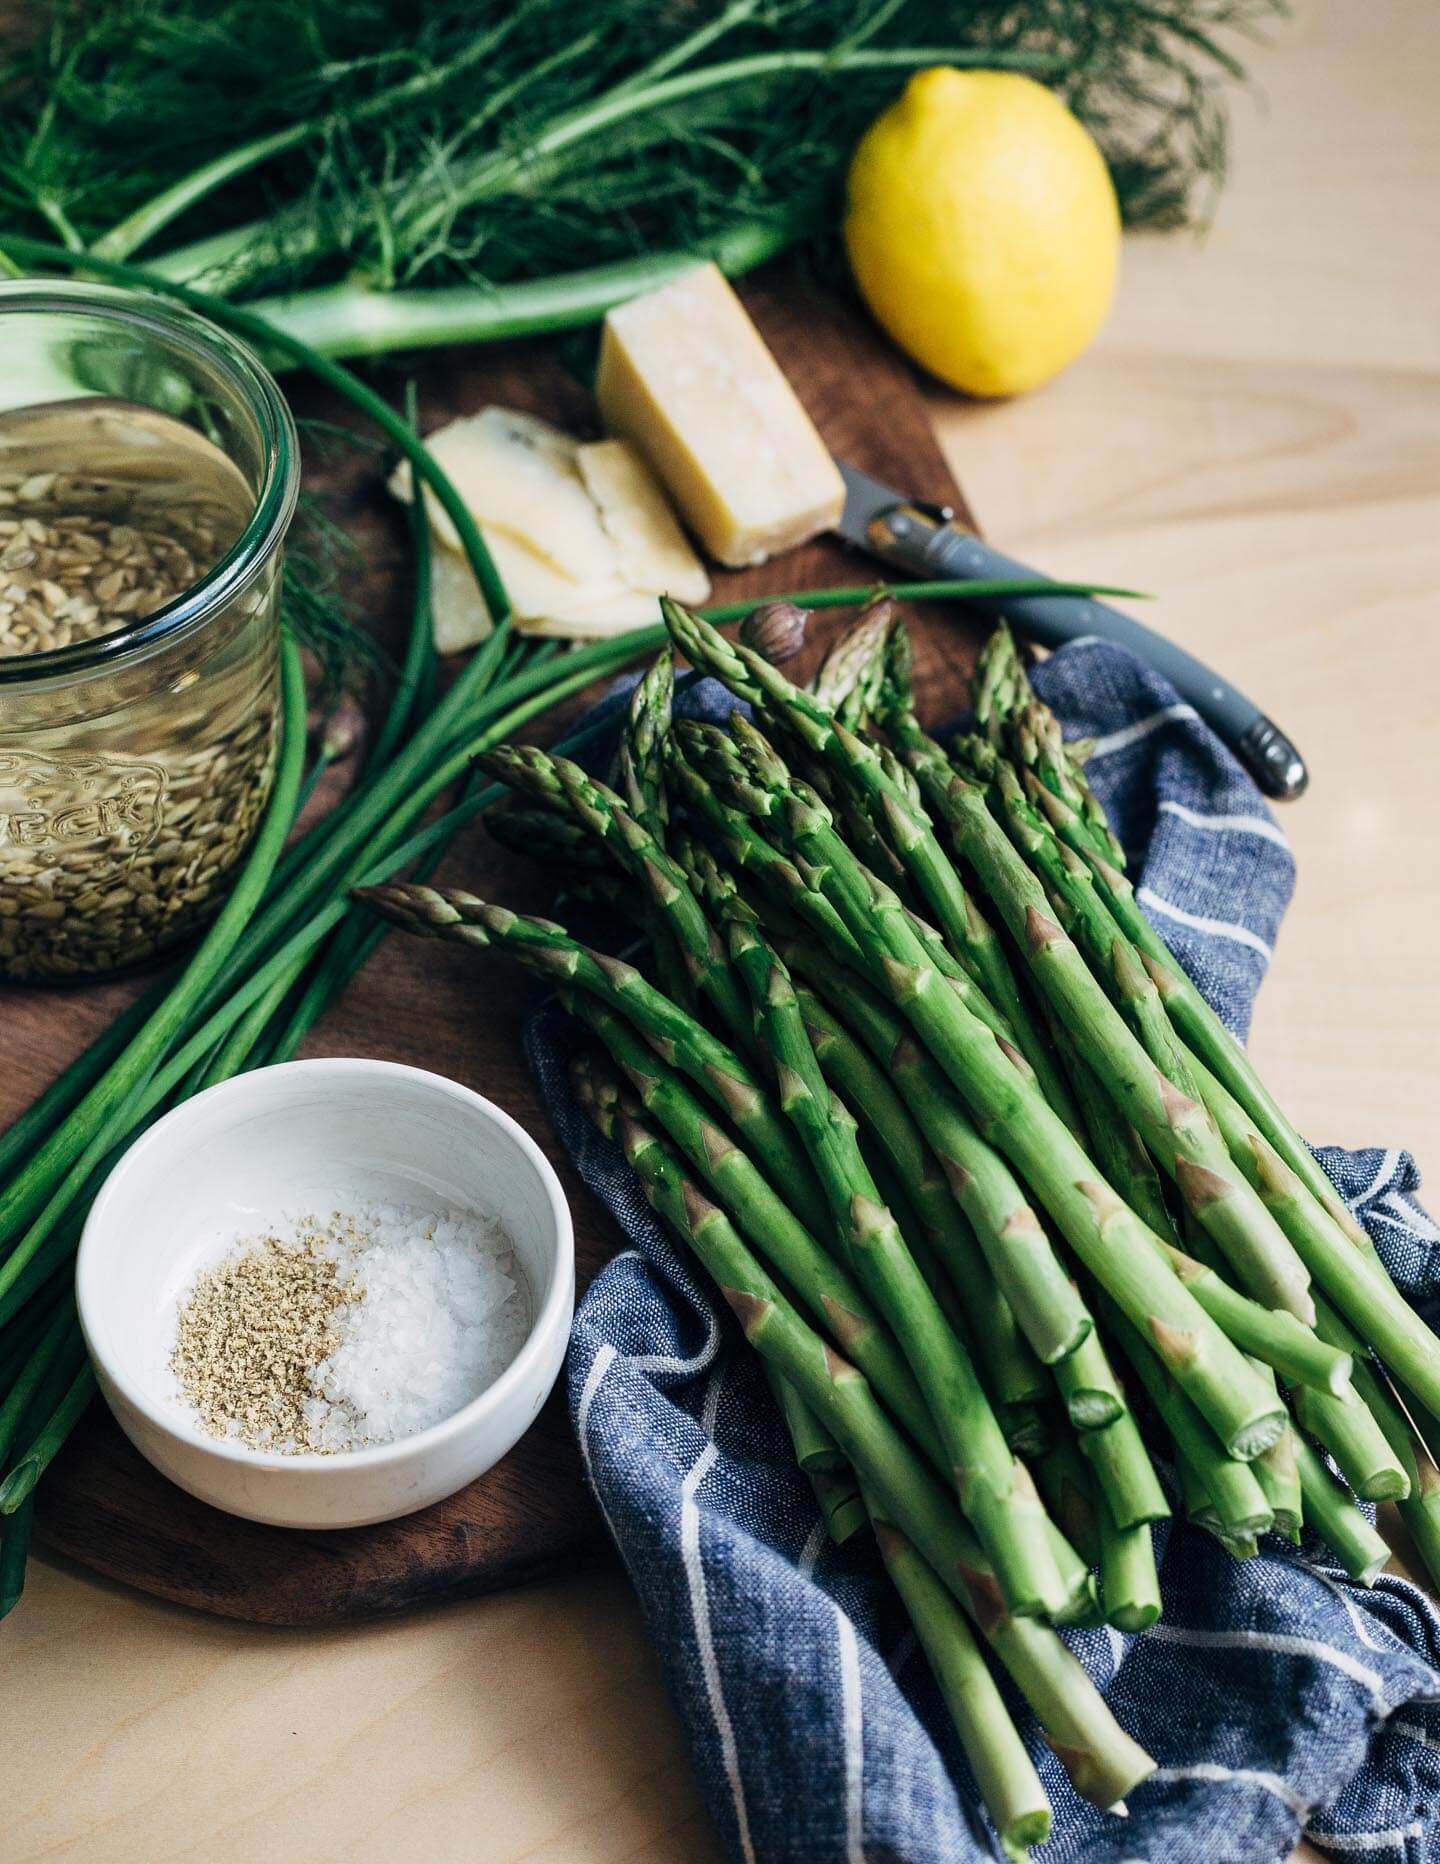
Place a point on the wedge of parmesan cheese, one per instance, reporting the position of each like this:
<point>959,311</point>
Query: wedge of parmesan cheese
<point>686,376</point>
<point>653,551</point>
<point>581,534</point>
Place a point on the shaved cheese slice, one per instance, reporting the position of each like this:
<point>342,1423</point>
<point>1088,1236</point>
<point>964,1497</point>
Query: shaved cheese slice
<point>581,535</point>
<point>458,615</point>
<point>533,584</point>
<point>544,603</point>
<point>653,551</point>
<point>594,621</point>
<point>518,475</point>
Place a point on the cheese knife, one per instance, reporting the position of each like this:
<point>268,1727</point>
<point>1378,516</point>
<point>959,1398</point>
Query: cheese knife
<point>931,542</point>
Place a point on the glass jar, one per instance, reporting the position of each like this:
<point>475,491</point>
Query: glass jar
<point>144,454</point>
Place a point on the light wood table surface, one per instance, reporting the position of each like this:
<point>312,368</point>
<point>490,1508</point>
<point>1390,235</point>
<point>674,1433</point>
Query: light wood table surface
<point>1256,437</point>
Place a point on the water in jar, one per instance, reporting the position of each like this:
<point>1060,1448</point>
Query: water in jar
<point>125,797</point>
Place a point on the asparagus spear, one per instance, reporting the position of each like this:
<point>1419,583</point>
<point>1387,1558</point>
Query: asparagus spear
<point>1123,1472</point>
<point>1062,1477</point>
<point>1012,1375</point>
<point>1101,1759</point>
<point>1045,1299</point>
<point>1088,1385</point>
<point>1031,1284</point>
<point>717,758</point>
<point>861,1084</point>
<point>995,1490</point>
<point>546,836</point>
<point>1354,1282</point>
<point>557,833</point>
<point>751,853</point>
<point>999,686</point>
<point>1129,1581</point>
<point>1198,1506</point>
<point>1117,1148</point>
<point>837,1494</point>
<point>907,829</point>
<point>642,744</point>
<point>849,676</point>
<point>1341,1422</point>
<point>636,849</point>
<point>1420,1508</point>
<point>1269,1334</point>
<point>1273,1272</point>
<point>1206,1035</point>
<point>1278,1473</point>
<point>1036,737</point>
<point>828,1291</point>
<point>459,917</point>
<point>816,1451</point>
<point>817,1454</point>
<point>1108,1237</point>
<point>1299,1355</point>
<point>1336,1519</point>
<point>1238,1499</point>
<point>1174,1126</point>
<point>866,840</point>
<point>1007,1780</point>
<point>822,1461</point>
<point>599,1092</point>
<point>1420,1511</point>
<point>1009,712</point>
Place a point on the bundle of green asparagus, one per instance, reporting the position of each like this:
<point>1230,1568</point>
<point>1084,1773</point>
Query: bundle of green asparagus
<point>987,1184</point>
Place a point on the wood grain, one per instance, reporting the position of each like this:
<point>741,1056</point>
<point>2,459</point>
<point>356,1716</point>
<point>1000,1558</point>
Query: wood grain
<point>102,1505</point>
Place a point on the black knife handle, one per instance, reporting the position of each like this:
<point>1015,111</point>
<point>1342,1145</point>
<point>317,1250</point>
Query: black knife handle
<point>928,548</point>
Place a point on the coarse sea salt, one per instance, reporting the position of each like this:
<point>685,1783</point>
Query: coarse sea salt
<point>432,1307</point>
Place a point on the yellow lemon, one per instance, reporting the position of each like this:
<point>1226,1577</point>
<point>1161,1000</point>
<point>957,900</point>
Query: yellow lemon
<point>983,229</point>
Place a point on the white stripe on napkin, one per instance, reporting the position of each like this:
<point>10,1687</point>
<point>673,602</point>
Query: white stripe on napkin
<point>1389,1165</point>
<point>1212,1773</point>
<point>1365,1841</point>
<point>1283,1643</point>
<point>700,1613</point>
<point>604,1358</point>
<point>1197,922</point>
<point>1411,1216</point>
<point>599,1366</point>
<point>1223,824</point>
<point>667,1362</point>
<point>813,1548</point>
<point>853,1724</point>
<point>1142,728</point>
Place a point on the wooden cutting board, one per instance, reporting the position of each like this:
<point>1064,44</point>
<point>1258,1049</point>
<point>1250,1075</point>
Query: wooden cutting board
<point>102,1505</point>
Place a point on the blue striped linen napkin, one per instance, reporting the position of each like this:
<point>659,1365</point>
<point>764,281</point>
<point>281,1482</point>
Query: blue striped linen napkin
<point>1277,1697</point>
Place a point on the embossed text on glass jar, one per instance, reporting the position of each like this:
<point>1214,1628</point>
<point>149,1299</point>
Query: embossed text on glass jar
<point>148,473</point>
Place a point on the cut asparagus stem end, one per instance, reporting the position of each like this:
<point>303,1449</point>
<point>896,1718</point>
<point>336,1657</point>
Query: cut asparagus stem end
<point>1092,1410</point>
<point>1258,1436</point>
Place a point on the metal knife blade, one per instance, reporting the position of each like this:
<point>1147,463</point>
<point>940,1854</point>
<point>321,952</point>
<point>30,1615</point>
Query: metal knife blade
<point>929,541</point>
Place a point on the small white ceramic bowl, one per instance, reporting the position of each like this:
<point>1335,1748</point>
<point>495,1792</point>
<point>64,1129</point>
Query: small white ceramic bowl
<point>314,1136</point>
